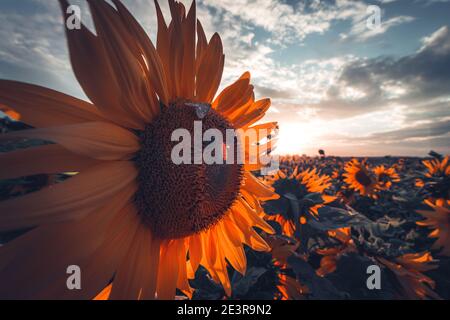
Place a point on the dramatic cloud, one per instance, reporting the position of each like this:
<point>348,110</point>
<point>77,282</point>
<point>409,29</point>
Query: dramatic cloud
<point>411,80</point>
<point>387,102</point>
<point>329,76</point>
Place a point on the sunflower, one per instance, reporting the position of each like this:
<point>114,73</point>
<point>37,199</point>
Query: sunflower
<point>439,220</point>
<point>358,177</point>
<point>408,270</point>
<point>331,256</point>
<point>281,249</point>
<point>130,218</point>
<point>436,180</point>
<point>301,195</point>
<point>291,289</point>
<point>288,288</point>
<point>328,263</point>
<point>437,167</point>
<point>385,177</point>
<point>336,174</point>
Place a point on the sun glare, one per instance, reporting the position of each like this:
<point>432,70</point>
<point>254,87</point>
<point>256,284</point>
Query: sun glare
<point>298,138</point>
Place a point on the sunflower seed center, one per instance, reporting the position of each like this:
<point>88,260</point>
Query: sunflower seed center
<point>178,200</point>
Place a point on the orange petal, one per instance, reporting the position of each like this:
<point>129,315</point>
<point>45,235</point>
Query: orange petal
<point>202,44</point>
<point>182,281</point>
<point>74,197</point>
<point>163,47</point>
<point>195,251</point>
<point>156,69</point>
<point>176,47</point>
<point>136,276</point>
<point>248,234</point>
<point>98,140</point>
<point>252,218</point>
<point>168,270</point>
<point>125,58</point>
<point>42,107</point>
<point>95,72</point>
<point>258,188</point>
<point>234,253</point>
<point>34,265</point>
<point>189,49</point>
<point>234,96</point>
<point>210,70</point>
<point>42,160</point>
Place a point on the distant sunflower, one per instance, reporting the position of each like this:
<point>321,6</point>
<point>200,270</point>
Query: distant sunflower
<point>359,177</point>
<point>300,189</point>
<point>288,287</point>
<point>328,263</point>
<point>130,217</point>
<point>437,167</point>
<point>437,178</point>
<point>281,249</point>
<point>291,289</point>
<point>438,219</point>
<point>385,177</point>
<point>408,270</point>
<point>336,174</point>
<point>331,256</point>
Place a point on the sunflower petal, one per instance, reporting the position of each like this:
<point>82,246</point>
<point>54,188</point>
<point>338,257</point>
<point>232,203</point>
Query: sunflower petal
<point>97,140</point>
<point>210,70</point>
<point>74,197</point>
<point>156,72</point>
<point>34,265</point>
<point>125,58</point>
<point>137,271</point>
<point>195,251</point>
<point>168,270</point>
<point>163,46</point>
<point>42,107</point>
<point>234,253</point>
<point>93,69</point>
<point>258,188</point>
<point>253,114</point>
<point>202,44</point>
<point>47,159</point>
<point>234,96</point>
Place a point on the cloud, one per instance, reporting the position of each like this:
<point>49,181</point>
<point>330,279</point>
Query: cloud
<point>410,80</point>
<point>423,131</point>
<point>360,31</point>
<point>385,102</point>
<point>287,23</point>
<point>430,2</point>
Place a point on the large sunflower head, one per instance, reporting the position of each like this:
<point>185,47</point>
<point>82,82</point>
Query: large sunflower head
<point>438,219</point>
<point>359,177</point>
<point>131,218</point>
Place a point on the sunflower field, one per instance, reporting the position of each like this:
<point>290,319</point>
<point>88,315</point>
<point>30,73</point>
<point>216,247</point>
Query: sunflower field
<point>334,218</point>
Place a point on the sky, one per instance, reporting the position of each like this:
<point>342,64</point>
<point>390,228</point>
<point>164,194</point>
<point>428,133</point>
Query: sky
<point>336,83</point>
